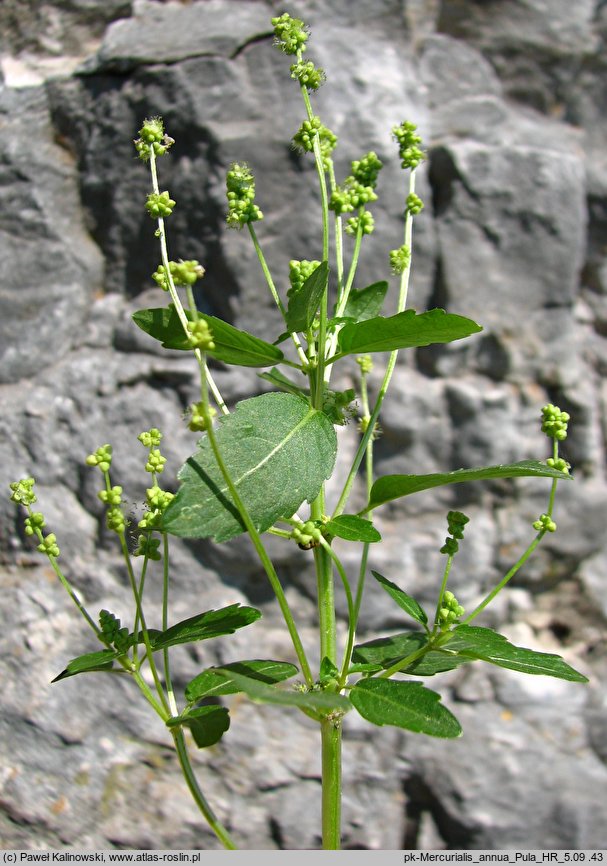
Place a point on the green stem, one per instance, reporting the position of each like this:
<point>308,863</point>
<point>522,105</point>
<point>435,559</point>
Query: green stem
<point>326,604</point>
<point>165,624</point>
<point>273,291</point>
<point>402,302</point>
<point>517,565</point>
<point>199,798</point>
<point>442,590</point>
<point>257,542</point>
<point>331,784</point>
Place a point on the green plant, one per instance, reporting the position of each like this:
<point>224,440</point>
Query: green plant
<point>285,441</point>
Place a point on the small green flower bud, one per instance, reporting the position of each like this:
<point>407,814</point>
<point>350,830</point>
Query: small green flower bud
<point>49,545</point>
<point>399,259</point>
<point>456,521</point>
<point>291,34</point>
<point>160,204</point>
<point>414,204</point>
<point>201,336</point>
<point>23,491</point>
<point>157,498</point>
<point>449,612</point>
<point>450,547</point>
<point>102,458</point>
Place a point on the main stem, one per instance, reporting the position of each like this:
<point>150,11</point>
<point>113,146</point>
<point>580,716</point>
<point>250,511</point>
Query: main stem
<point>331,784</point>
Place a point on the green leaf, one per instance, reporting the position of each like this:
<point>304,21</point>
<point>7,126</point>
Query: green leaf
<point>283,383</point>
<point>404,704</point>
<point>387,651</point>
<point>207,724</point>
<point>391,487</point>
<point>403,600</point>
<point>232,346</point>
<point>486,645</point>
<point>102,660</point>
<point>364,304</point>
<point>304,302</point>
<point>278,451</point>
<point>353,528</point>
<point>209,683</point>
<point>211,623</point>
<point>403,331</point>
<point>264,694</point>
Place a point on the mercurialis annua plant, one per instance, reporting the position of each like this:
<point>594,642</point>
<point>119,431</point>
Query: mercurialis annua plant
<point>283,442</point>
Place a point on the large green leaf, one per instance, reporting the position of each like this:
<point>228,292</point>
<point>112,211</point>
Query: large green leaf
<point>403,331</point>
<point>210,683</point>
<point>403,599</point>
<point>211,623</point>
<point>232,346</point>
<point>207,724</point>
<point>486,645</point>
<point>387,651</point>
<point>305,301</point>
<point>395,486</point>
<point>408,705</point>
<point>364,304</point>
<point>350,527</point>
<point>102,660</point>
<point>266,694</point>
<point>278,451</point>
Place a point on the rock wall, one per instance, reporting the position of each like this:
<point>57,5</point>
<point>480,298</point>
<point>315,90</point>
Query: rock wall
<point>509,96</point>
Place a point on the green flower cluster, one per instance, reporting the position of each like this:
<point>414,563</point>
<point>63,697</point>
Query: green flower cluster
<point>240,190</point>
<point>152,137</point>
<point>414,204</point>
<point>365,362</point>
<point>308,75</point>
<point>197,421</point>
<point>112,496</point>
<point>34,523</point>
<point>308,132</point>
<point>150,438</point>
<point>299,271</point>
<point>155,462</point>
<point>544,523</point>
<point>364,223</point>
<point>357,190</point>
<point>49,545</point>
<point>157,501</point>
<point>148,546</point>
<point>408,144</point>
<point>23,491</point>
<point>290,34</point>
<point>160,204</point>
<point>112,632</point>
<point>560,464</point>
<point>449,611</point>
<point>554,422</point>
<point>399,259</point>
<point>184,273</point>
<point>456,521</point>
<point>102,458</point>
<point>307,535</point>
<point>200,336</point>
